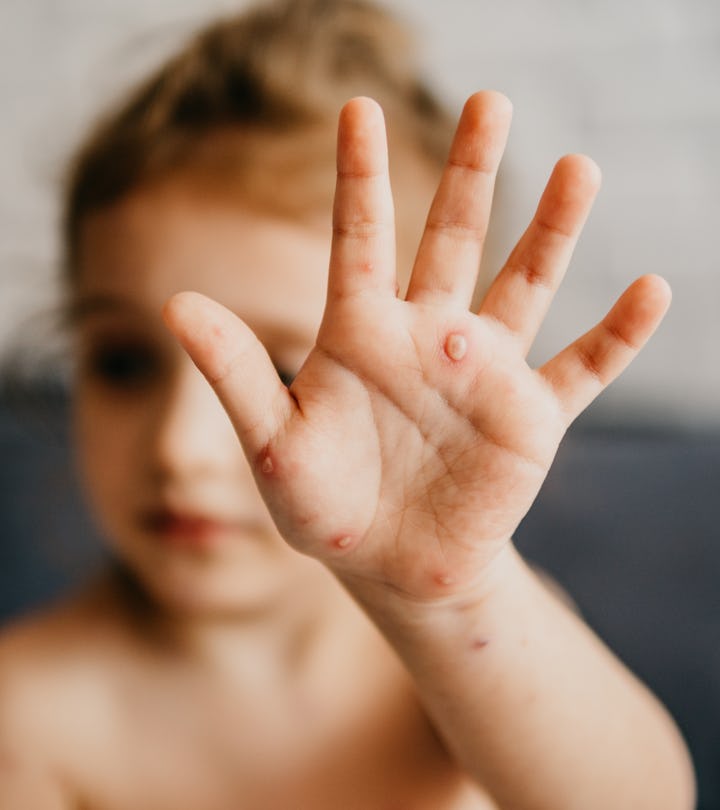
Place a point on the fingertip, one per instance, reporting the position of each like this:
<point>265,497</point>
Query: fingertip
<point>656,291</point>
<point>487,111</point>
<point>660,284</point>
<point>181,309</point>
<point>361,143</point>
<point>361,109</point>
<point>490,101</point>
<point>583,170</point>
<point>641,308</point>
<point>482,131</point>
<point>174,313</point>
<point>173,309</point>
<point>203,327</point>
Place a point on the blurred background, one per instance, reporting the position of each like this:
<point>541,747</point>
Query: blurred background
<point>629,518</point>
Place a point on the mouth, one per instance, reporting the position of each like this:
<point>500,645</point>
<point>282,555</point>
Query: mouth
<point>194,532</point>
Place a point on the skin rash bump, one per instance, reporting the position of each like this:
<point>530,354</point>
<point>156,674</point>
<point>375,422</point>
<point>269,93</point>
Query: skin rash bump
<point>456,346</point>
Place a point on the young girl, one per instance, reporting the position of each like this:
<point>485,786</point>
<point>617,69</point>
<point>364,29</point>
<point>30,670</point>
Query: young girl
<point>406,657</point>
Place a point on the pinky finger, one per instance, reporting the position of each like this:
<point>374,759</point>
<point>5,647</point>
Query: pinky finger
<point>582,370</point>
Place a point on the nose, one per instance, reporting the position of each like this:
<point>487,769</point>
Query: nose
<point>191,434</point>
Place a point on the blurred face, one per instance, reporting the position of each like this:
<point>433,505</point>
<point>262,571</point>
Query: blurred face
<point>161,464</point>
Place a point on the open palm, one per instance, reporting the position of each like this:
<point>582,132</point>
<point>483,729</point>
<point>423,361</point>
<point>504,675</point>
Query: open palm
<point>415,437</point>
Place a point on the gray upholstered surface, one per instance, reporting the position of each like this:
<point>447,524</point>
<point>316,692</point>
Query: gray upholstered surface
<point>628,522</point>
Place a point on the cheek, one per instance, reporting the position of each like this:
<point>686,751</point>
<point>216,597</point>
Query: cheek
<point>108,442</point>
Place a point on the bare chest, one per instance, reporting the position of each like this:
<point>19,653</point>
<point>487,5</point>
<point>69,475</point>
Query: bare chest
<point>376,753</point>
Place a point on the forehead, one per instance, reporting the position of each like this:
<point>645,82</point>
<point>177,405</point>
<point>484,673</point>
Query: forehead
<point>182,235</point>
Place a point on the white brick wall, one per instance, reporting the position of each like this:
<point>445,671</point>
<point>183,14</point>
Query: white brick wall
<point>634,84</point>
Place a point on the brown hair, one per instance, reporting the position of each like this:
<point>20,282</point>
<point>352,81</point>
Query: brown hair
<point>281,69</point>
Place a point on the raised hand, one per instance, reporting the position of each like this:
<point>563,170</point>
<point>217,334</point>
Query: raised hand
<point>415,437</point>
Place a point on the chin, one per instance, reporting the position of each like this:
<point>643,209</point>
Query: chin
<point>218,604</point>
<point>214,592</point>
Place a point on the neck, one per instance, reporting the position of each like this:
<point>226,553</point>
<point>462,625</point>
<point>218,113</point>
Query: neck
<point>271,643</point>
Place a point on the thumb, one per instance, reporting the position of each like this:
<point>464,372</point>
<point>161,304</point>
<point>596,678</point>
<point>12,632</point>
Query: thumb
<point>236,365</point>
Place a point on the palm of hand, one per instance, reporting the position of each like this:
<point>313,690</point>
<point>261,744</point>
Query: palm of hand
<point>416,437</point>
<point>403,448</point>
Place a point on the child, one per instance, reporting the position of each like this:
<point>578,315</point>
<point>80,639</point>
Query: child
<point>396,449</point>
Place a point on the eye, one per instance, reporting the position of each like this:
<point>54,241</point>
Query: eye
<point>123,365</point>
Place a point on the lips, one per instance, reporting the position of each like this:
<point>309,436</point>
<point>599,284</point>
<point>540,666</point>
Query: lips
<point>191,531</point>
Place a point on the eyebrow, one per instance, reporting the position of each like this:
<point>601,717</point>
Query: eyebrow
<point>78,309</point>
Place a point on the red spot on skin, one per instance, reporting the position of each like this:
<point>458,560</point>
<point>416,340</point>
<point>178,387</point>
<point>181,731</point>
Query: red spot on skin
<point>479,643</point>
<point>456,346</point>
<point>265,462</point>
<point>343,542</point>
<point>444,580</point>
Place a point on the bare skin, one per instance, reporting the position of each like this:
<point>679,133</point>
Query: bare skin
<point>103,717</point>
<point>398,463</point>
<point>406,468</point>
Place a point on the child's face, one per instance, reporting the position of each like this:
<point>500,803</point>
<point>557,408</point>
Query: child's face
<point>160,460</point>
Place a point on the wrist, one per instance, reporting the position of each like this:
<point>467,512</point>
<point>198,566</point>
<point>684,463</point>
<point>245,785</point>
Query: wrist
<point>504,575</point>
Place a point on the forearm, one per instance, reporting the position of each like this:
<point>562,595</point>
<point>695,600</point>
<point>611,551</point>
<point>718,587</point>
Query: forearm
<point>530,701</point>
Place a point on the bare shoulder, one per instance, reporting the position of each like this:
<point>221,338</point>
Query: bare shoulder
<point>49,691</point>
<point>44,638</point>
<point>54,655</point>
